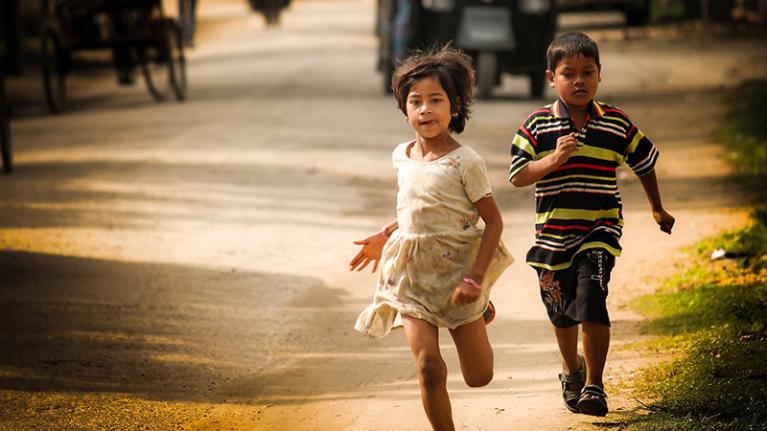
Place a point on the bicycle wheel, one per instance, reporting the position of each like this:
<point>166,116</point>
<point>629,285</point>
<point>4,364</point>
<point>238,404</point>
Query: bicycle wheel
<point>54,76</point>
<point>5,130</point>
<point>155,65</point>
<point>176,60</point>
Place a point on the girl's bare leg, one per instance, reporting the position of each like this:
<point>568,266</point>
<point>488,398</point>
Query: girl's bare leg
<point>423,338</point>
<point>475,353</point>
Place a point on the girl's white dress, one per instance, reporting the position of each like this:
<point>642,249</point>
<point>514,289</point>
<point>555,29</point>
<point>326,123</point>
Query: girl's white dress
<point>436,243</point>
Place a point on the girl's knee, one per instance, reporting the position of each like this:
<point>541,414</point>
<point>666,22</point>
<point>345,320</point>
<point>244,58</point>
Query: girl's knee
<point>432,371</point>
<point>479,379</point>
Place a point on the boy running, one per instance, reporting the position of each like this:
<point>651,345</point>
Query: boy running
<point>570,150</point>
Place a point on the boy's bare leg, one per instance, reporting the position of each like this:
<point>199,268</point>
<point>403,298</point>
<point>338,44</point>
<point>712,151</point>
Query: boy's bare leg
<point>596,343</point>
<point>423,338</point>
<point>567,339</point>
<point>475,353</point>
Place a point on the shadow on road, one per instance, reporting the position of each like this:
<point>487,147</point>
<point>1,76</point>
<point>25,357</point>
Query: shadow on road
<point>159,331</point>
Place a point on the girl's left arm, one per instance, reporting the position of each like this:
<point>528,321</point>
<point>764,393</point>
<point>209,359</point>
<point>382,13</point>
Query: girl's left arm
<point>488,210</point>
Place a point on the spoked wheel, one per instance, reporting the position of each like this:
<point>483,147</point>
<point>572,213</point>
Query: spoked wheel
<point>163,64</point>
<point>154,60</point>
<point>54,74</point>
<point>5,130</point>
<point>177,60</point>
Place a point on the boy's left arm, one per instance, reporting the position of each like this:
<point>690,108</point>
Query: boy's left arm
<point>650,185</point>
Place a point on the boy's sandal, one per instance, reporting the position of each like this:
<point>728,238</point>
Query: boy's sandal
<point>489,314</point>
<point>572,384</point>
<point>593,401</point>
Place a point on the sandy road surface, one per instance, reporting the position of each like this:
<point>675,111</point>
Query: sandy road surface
<point>182,266</point>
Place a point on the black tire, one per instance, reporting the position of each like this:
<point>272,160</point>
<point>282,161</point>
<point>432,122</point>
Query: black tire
<point>156,63</point>
<point>177,61</point>
<point>53,60</point>
<point>537,84</point>
<point>487,74</point>
<point>272,15</point>
<point>271,9</point>
<point>5,131</point>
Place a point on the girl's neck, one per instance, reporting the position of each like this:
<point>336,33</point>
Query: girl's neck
<point>428,149</point>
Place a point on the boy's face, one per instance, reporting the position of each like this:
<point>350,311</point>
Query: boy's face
<point>428,108</point>
<point>576,80</point>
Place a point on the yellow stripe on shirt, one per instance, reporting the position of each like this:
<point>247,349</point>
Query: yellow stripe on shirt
<point>577,214</point>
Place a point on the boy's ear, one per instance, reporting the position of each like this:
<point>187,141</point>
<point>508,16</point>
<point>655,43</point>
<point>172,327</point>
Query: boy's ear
<point>550,77</point>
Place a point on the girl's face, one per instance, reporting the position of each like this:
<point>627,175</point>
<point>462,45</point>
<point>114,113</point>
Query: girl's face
<point>428,108</point>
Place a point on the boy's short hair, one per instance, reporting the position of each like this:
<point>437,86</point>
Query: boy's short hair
<point>451,67</point>
<point>569,45</point>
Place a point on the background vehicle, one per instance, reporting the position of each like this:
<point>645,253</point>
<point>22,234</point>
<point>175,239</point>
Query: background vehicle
<point>502,36</point>
<point>637,11</point>
<point>136,31</point>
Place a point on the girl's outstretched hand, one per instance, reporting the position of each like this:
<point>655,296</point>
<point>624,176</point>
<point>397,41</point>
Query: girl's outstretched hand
<point>370,252</point>
<point>465,294</point>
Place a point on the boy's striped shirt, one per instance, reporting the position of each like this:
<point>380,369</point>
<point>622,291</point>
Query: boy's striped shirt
<point>578,206</point>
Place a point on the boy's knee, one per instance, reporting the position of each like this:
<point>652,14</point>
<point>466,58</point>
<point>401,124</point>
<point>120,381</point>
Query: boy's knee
<point>479,380</point>
<point>432,371</point>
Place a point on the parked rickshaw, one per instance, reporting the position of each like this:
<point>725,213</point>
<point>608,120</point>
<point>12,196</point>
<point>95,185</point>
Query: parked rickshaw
<point>137,32</point>
<point>502,36</point>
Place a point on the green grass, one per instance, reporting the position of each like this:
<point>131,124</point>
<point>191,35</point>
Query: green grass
<point>745,137</point>
<point>712,318</point>
<point>717,330</point>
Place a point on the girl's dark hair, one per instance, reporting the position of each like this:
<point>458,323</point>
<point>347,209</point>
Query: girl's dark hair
<point>569,45</point>
<point>451,67</point>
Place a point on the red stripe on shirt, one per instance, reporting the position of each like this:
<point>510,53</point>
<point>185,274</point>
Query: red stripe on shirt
<point>576,227</point>
<point>588,166</point>
<point>532,139</point>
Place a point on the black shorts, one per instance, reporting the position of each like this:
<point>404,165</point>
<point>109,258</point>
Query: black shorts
<point>578,293</point>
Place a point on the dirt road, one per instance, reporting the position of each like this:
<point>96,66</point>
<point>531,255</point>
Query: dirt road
<point>183,266</point>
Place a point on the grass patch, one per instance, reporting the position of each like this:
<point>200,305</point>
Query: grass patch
<point>717,328</point>
<point>745,137</point>
<point>712,317</point>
